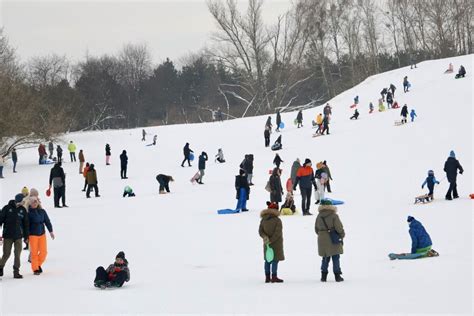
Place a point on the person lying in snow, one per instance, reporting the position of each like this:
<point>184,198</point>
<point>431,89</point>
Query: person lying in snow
<point>277,145</point>
<point>116,274</point>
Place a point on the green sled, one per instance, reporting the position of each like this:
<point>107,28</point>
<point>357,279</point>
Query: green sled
<point>269,254</point>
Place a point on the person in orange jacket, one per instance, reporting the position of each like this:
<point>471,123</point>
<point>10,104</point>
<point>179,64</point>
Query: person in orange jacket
<point>305,178</point>
<point>84,173</point>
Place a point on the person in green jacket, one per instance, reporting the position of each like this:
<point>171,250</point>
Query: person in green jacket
<point>72,151</point>
<point>327,221</point>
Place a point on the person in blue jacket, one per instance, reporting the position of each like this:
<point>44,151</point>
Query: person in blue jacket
<point>413,115</point>
<point>430,181</point>
<point>420,239</point>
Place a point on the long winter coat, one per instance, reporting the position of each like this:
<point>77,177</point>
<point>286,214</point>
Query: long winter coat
<point>202,161</point>
<point>123,159</point>
<point>419,237</point>
<point>278,119</point>
<point>247,164</point>
<point>404,111</point>
<point>276,190</point>
<point>294,169</point>
<point>271,226</point>
<point>242,182</point>
<point>325,246</point>
<point>91,177</point>
<point>81,156</point>
<point>299,117</point>
<point>451,167</point>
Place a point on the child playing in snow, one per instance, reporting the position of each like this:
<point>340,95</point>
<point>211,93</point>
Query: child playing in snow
<point>381,106</point>
<point>128,192</point>
<point>413,115</point>
<point>430,181</point>
<point>288,207</point>
<point>116,274</point>
<point>220,156</point>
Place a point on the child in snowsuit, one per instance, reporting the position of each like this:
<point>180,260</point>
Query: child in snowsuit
<point>430,181</point>
<point>320,184</point>
<point>412,115</point>
<point>355,115</point>
<point>220,156</point>
<point>288,207</point>
<point>116,274</point>
<point>461,73</point>
<point>420,239</point>
<point>277,145</point>
<point>381,106</point>
<point>128,192</point>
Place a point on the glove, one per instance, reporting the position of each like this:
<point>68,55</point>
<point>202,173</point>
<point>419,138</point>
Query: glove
<point>461,172</point>
<point>422,186</point>
<point>294,188</point>
<point>25,240</point>
<point>266,240</point>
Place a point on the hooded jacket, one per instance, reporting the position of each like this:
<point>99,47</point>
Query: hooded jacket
<point>325,246</point>
<point>419,236</point>
<point>15,221</point>
<point>272,227</point>
<point>451,167</point>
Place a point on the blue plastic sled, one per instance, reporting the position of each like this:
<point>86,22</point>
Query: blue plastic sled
<point>241,203</point>
<point>227,211</point>
<point>394,256</point>
<point>334,202</point>
<point>191,156</point>
<point>282,125</point>
<point>149,144</point>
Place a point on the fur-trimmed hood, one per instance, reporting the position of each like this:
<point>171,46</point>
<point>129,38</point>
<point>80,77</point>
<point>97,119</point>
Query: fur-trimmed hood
<point>327,209</point>
<point>269,212</point>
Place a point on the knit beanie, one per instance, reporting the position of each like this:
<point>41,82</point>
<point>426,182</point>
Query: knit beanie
<point>19,198</point>
<point>307,161</point>
<point>24,191</point>
<point>120,255</point>
<point>410,218</point>
<point>452,154</point>
<point>272,205</point>
<point>34,192</point>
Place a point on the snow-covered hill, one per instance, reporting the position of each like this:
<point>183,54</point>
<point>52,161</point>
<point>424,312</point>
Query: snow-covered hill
<point>184,258</point>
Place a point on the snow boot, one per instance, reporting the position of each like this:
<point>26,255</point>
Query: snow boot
<point>338,277</point>
<point>40,270</point>
<point>37,272</point>
<point>275,279</point>
<point>449,198</point>
<point>267,278</point>
<point>17,275</point>
<point>324,276</point>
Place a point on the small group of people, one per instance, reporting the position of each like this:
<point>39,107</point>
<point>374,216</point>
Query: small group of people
<point>322,122</point>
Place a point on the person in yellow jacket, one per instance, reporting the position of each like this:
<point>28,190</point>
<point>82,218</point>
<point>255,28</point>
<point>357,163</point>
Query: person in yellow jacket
<point>72,151</point>
<point>319,122</point>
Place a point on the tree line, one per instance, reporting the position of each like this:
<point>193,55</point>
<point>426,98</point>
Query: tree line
<point>309,54</point>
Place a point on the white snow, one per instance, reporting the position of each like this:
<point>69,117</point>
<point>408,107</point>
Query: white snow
<point>184,258</point>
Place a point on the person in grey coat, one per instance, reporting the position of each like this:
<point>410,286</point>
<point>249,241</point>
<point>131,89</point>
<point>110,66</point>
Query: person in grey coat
<point>51,149</point>
<point>294,169</point>
<point>326,221</point>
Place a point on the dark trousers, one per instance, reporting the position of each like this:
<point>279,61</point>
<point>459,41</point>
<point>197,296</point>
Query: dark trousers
<point>51,152</point>
<point>431,189</point>
<point>101,277</point>
<point>453,189</point>
<point>85,185</point>
<point>73,156</point>
<point>273,266</point>
<point>404,119</point>
<point>7,250</point>
<point>328,185</point>
<point>123,172</point>
<point>325,129</point>
<point>267,141</point>
<point>305,199</point>
<point>14,166</point>
<point>336,265</point>
<point>96,190</point>
<point>59,193</point>
<point>184,160</point>
<point>163,185</point>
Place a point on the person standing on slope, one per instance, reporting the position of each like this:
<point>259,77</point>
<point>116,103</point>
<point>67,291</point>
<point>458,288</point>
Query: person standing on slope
<point>294,169</point>
<point>59,153</point>
<point>325,125</point>
<point>299,119</point>
<point>92,181</point>
<point>266,135</point>
<point>247,166</point>
<point>72,151</point>
<point>325,169</point>
<point>413,115</point>
<point>276,189</point>
<point>406,84</point>
<point>305,178</point>
<point>327,221</point>
<point>14,159</point>
<point>243,190</point>
<point>278,121</point>
<point>404,113</point>
<point>269,123</point>
<point>81,161</point>
<point>271,231</point>
<point>51,149</point>
<point>123,164</point>
<point>187,154</point>
<point>202,166</point>
<point>57,179</point>
<point>451,167</point>
<point>143,135</point>
<point>107,154</point>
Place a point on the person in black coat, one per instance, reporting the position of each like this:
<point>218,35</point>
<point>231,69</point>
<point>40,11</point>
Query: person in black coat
<point>461,73</point>
<point>123,164</point>
<point>202,166</point>
<point>389,99</point>
<point>57,179</point>
<point>278,121</point>
<point>247,167</point>
<point>404,113</point>
<point>276,189</point>
<point>277,161</point>
<point>187,153</point>
<point>107,154</point>
<point>325,125</point>
<point>355,115</point>
<point>242,187</point>
<point>164,181</point>
<point>269,123</point>
<point>266,135</point>
<point>299,118</point>
<point>383,93</point>
<point>59,152</point>
<point>451,167</point>
<point>393,88</point>
<point>14,219</point>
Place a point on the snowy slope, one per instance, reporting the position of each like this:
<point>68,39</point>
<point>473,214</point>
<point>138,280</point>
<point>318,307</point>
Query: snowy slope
<point>184,258</point>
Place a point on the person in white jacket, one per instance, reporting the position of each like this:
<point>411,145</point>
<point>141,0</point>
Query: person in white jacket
<point>2,164</point>
<point>220,156</point>
<point>319,192</point>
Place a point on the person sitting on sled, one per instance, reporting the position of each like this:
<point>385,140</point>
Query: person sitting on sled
<point>277,145</point>
<point>288,207</point>
<point>461,73</point>
<point>220,156</point>
<point>430,181</point>
<point>116,274</point>
<point>355,115</point>
<point>420,239</point>
<point>395,105</point>
<point>128,192</point>
<point>450,69</point>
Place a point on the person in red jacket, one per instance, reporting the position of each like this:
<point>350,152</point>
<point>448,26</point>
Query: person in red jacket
<point>305,177</point>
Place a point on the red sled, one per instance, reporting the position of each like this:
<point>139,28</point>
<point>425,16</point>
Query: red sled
<point>353,106</point>
<point>471,196</point>
<point>48,192</point>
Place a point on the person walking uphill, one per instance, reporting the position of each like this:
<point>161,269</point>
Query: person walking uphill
<point>72,151</point>
<point>57,179</point>
<point>51,149</point>
<point>328,223</point>
<point>59,153</point>
<point>14,219</point>
<point>278,121</point>
<point>202,166</point>
<point>404,113</point>
<point>38,219</point>
<point>266,135</point>
<point>271,231</point>
<point>187,154</point>
<point>92,182</point>
<point>305,178</point>
<point>81,161</point>
<point>116,274</point>
<point>451,167</point>
<point>299,119</point>
<point>123,164</point>
<point>164,180</point>
<point>107,154</point>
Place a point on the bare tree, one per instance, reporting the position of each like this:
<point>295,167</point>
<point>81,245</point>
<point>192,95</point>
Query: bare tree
<point>370,23</point>
<point>47,70</point>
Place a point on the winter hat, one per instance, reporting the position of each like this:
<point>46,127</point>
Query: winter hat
<point>120,255</point>
<point>452,154</point>
<point>326,202</point>
<point>19,198</point>
<point>128,189</point>
<point>272,205</point>
<point>24,191</point>
<point>430,172</point>
<point>307,161</point>
<point>410,218</point>
<point>34,192</point>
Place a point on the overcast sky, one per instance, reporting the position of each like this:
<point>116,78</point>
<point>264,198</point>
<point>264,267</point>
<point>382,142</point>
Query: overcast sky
<point>169,28</point>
